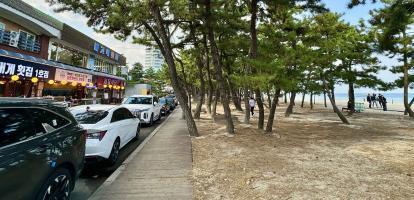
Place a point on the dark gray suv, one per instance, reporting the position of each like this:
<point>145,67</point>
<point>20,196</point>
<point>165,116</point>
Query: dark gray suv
<point>42,149</point>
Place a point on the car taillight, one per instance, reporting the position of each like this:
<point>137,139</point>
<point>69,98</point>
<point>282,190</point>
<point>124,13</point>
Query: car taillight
<point>96,135</point>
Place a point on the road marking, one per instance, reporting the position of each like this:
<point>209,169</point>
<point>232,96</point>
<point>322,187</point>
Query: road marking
<point>124,164</point>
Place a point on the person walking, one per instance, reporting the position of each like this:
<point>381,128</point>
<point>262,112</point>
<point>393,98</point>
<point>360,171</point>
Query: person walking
<point>369,99</point>
<point>380,100</point>
<point>384,103</point>
<point>252,104</point>
<point>374,100</point>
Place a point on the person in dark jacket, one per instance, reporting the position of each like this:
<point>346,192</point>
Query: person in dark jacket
<point>384,103</point>
<point>369,100</point>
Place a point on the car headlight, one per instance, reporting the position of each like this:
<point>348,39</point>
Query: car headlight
<point>137,113</point>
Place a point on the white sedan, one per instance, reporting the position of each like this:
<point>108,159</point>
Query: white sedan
<point>109,128</point>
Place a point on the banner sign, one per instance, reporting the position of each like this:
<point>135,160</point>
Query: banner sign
<point>108,81</point>
<point>71,76</point>
<point>25,69</point>
<point>105,51</point>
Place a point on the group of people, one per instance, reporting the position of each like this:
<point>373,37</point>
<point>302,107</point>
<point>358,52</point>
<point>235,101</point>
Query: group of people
<point>374,100</point>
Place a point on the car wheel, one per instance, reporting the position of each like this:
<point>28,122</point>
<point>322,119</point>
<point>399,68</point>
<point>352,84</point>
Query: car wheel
<point>57,186</point>
<point>113,157</point>
<point>151,120</point>
<point>138,132</point>
<point>159,116</point>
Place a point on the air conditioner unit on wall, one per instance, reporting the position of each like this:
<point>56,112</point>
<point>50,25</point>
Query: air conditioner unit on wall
<point>14,38</point>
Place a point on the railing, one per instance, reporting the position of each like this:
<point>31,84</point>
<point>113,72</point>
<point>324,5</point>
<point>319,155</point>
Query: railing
<point>23,44</point>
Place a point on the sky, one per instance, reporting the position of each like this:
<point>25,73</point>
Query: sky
<point>136,53</point>
<point>133,52</point>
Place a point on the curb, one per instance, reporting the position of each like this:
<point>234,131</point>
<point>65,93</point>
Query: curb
<point>124,164</point>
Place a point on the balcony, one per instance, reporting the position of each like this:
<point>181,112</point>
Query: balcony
<point>23,43</point>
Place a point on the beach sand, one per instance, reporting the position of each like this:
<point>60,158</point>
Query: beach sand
<point>311,155</point>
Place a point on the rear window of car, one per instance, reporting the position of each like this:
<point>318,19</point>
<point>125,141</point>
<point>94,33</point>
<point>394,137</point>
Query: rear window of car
<point>162,100</point>
<point>139,100</point>
<point>90,116</point>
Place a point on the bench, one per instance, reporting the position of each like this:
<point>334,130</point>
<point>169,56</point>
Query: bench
<point>359,107</point>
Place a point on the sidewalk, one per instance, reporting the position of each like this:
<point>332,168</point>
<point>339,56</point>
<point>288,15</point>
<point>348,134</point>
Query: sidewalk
<point>161,170</point>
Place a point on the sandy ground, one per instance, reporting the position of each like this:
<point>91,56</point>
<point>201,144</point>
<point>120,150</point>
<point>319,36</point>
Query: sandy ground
<point>311,156</point>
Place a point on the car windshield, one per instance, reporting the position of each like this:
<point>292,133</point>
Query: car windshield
<point>90,116</point>
<point>139,100</point>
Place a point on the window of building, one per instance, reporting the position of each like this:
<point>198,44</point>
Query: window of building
<point>27,36</point>
<point>67,55</point>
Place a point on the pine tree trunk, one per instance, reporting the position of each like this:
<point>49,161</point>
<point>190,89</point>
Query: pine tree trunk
<point>303,99</point>
<point>269,126</point>
<point>311,99</point>
<point>234,97</point>
<point>269,98</point>
<point>406,82</point>
<point>324,99</point>
<point>289,109</point>
<point>335,108</point>
<point>260,124</point>
<point>161,38</point>
<point>411,103</point>
<point>197,111</point>
<point>246,106</point>
<point>218,68</point>
<point>285,97</point>
<point>210,82</point>
<point>351,98</point>
<point>215,100</point>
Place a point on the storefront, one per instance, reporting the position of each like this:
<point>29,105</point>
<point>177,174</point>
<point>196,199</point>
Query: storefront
<point>110,90</point>
<point>20,77</point>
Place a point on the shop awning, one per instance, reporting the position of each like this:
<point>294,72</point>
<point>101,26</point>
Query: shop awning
<point>55,64</point>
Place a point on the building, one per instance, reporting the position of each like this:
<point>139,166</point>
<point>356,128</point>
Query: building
<point>153,58</point>
<point>41,56</point>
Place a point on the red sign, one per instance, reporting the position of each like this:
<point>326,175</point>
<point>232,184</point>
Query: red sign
<point>101,81</point>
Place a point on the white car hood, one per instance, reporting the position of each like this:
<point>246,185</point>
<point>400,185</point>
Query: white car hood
<point>137,106</point>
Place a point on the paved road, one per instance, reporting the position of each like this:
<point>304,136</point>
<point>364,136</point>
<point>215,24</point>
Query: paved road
<point>93,176</point>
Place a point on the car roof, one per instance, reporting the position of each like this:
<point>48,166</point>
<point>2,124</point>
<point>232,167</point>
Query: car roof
<point>137,95</point>
<point>59,107</point>
<point>95,107</point>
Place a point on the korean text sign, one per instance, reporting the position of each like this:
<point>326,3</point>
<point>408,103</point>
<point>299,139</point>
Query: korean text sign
<point>25,69</point>
<point>71,76</point>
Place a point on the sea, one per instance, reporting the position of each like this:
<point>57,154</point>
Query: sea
<point>361,97</point>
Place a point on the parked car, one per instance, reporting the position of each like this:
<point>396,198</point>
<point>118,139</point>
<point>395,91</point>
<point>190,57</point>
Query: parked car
<point>171,102</point>
<point>173,97</point>
<point>165,106</point>
<point>42,149</point>
<point>146,107</point>
<point>109,128</point>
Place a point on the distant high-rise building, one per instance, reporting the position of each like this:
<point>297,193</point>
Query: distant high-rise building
<point>153,58</point>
